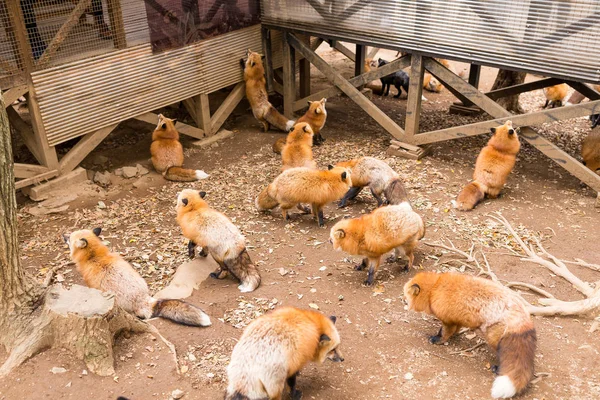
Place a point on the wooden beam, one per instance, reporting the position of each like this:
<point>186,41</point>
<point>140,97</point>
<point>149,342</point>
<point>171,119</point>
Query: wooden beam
<point>535,118</point>
<point>289,76</point>
<point>584,89</point>
<point>373,52</point>
<point>23,51</point>
<point>40,192</point>
<point>117,26</point>
<point>338,80</point>
<point>268,52</point>
<point>85,146</point>
<point>23,171</point>
<point>12,94</point>
<point>304,73</point>
<point>359,62</point>
<point>25,131</point>
<point>189,130</point>
<point>415,93</point>
<point>36,179</point>
<point>63,32</point>
<point>190,106</point>
<point>523,87</point>
<point>474,74</point>
<point>363,79</point>
<point>227,106</point>
<point>203,113</point>
<point>315,45</point>
<point>345,51</point>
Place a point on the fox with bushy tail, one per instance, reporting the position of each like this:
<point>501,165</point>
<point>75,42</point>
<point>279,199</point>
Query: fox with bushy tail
<point>464,301</point>
<point>109,272</point>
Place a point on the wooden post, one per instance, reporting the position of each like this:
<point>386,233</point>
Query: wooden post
<point>48,155</point>
<point>413,107</point>
<point>23,52</point>
<point>117,26</point>
<point>227,106</point>
<point>268,52</point>
<point>359,61</point>
<point>203,113</point>
<point>304,65</point>
<point>289,76</point>
<point>474,74</point>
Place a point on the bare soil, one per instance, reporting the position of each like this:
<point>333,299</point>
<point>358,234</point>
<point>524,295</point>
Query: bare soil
<point>387,354</point>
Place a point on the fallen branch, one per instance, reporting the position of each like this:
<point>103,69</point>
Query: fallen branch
<point>582,263</point>
<point>453,249</point>
<point>478,345</point>
<point>531,287</point>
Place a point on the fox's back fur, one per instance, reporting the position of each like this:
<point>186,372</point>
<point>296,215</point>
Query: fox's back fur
<point>256,93</point>
<point>493,165</point>
<point>167,153</point>
<point>109,272</point>
<point>297,151</point>
<point>275,347</point>
<point>216,234</point>
<point>465,301</point>
<point>590,151</point>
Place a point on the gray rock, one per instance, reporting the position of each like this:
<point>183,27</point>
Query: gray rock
<point>141,170</point>
<point>119,172</point>
<point>130,172</point>
<point>177,394</point>
<point>103,179</point>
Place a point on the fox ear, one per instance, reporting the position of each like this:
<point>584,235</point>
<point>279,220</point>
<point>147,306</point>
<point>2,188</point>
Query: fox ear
<point>163,126</point>
<point>323,100</point>
<point>66,236</point>
<point>305,129</point>
<point>318,111</point>
<point>344,175</point>
<point>309,102</point>
<point>333,318</point>
<point>518,131</point>
<point>81,243</point>
<point>97,231</point>
<point>330,167</point>
<point>414,290</point>
<point>493,130</point>
<point>174,121</point>
<point>184,201</point>
<point>324,338</point>
<point>339,233</point>
<point>252,63</point>
<point>202,194</point>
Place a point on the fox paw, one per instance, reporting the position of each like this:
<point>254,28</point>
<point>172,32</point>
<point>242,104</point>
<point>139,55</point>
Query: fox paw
<point>359,267</point>
<point>203,253</point>
<point>494,369</point>
<point>296,394</point>
<point>391,259</point>
<point>437,339</point>
<point>368,282</point>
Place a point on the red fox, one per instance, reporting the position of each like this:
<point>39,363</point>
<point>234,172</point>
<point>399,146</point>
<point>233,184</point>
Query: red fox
<point>555,95</point>
<point>378,176</point>
<point>274,348</point>
<point>304,185</point>
<point>431,84</point>
<point>256,92</point>
<point>167,153</point>
<point>372,235</point>
<point>460,300</point>
<point>494,163</point>
<point>297,151</point>
<point>109,272</point>
<point>315,116</point>
<point>590,151</point>
<point>217,236</point>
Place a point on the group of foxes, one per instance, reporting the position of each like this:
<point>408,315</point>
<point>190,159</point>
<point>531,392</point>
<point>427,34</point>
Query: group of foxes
<point>274,347</point>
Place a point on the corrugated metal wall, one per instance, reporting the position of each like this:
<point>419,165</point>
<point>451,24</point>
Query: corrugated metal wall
<point>551,37</point>
<point>89,94</point>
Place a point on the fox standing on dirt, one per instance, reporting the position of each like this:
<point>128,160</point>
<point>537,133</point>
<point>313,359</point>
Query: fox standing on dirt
<point>167,153</point>
<point>494,163</point>
<point>304,185</point>
<point>476,303</point>
<point>217,236</point>
<point>297,151</point>
<point>315,116</point>
<point>590,151</point>
<point>256,92</point>
<point>274,348</point>
<point>378,176</point>
<point>555,95</point>
<point>372,235</point>
<point>109,272</point>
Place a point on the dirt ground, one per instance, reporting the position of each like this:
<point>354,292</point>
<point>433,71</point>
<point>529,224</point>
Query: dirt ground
<point>387,354</point>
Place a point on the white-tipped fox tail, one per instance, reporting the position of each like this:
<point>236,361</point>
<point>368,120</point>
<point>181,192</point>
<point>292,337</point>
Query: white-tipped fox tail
<point>503,388</point>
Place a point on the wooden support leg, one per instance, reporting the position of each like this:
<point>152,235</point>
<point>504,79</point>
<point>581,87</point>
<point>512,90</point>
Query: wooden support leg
<point>413,106</point>
<point>289,76</point>
<point>338,80</point>
<point>268,52</point>
<point>227,107</point>
<point>359,61</point>
<point>304,66</point>
<point>344,50</point>
<point>84,147</point>
<point>203,113</point>
<point>373,52</point>
<point>115,15</point>
<point>46,153</point>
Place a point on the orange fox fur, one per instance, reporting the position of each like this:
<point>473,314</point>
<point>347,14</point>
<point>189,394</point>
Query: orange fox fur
<point>274,348</point>
<point>555,95</point>
<point>465,301</point>
<point>316,115</point>
<point>494,164</point>
<point>256,93</point>
<point>109,272</point>
<point>378,176</point>
<point>297,151</point>
<point>217,236</point>
<point>304,185</point>
<point>167,153</point>
<point>431,84</point>
<point>372,235</point>
<point>590,151</point>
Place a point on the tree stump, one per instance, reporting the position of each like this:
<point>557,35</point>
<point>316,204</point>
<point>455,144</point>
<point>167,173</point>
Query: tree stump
<point>85,321</point>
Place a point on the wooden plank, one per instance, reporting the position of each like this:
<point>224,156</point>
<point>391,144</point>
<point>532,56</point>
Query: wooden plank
<point>584,89</point>
<point>359,62</point>
<point>363,79</point>
<point>47,154</point>
<point>25,131</point>
<point>226,108</point>
<point>62,33</point>
<point>36,179</point>
<point>523,87</point>
<point>203,113</point>
<point>415,94</point>
<point>304,73</point>
<point>189,130</point>
<point>190,106</point>
<point>535,118</point>
<point>40,192</point>
<point>204,143</point>
<point>23,171</point>
<point>474,75</point>
<point>23,50</point>
<point>338,80</point>
<point>289,77</point>
<point>345,51</point>
<point>373,52</point>
<point>84,146</point>
<point>12,94</point>
<point>315,45</point>
<point>117,26</point>
<point>267,46</point>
